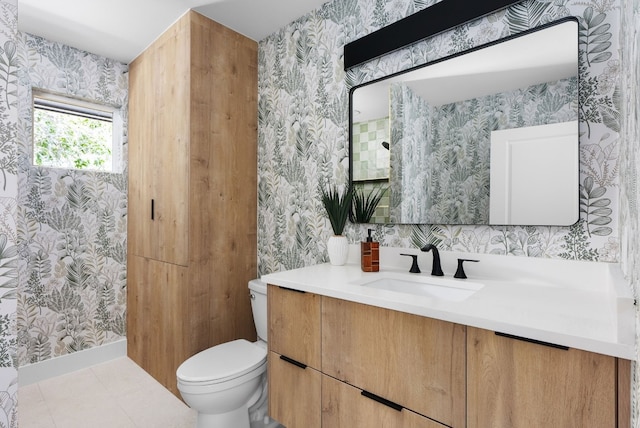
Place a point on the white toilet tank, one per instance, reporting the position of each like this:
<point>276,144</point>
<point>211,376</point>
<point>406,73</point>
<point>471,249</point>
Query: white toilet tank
<point>258,293</point>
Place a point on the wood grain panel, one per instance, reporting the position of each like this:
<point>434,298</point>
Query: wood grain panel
<point>159,118</point>
<point>222,181</point>
<point>156,340</point>
<point>170,146</point>
<point>512,383</point>
<point>193,149</point>
<point>294,400</point>
<point>414,361</point>
<point>624,393</point>
<point>139,129</point>
<point>343,406</point>
<point>294,324</point>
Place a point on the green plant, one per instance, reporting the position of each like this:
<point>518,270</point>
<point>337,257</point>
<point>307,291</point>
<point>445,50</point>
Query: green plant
<point>338,206</point>
<point>364,206</point>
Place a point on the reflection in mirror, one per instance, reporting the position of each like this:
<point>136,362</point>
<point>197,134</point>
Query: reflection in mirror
<point>516,156</point>
<point>427,136</point>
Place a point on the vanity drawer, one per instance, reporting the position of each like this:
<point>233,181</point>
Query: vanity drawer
<point>516,383</point>
<point>294,324</point>
<point>411,360</point>
<point>294,393</point>
<point>344,406</point>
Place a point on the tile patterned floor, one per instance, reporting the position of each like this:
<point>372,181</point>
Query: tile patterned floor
<point>116,394</point>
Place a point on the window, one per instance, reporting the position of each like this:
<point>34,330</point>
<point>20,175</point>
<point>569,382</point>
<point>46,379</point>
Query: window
<point>75,134</point>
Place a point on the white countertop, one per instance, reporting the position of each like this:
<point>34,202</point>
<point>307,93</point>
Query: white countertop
<point>583,305</point>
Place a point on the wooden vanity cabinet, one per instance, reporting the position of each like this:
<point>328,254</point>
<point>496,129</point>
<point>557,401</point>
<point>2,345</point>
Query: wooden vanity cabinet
<point>515,383</point>
<point>413,361</point>
<point>294,357</point>
<point>340,364</point>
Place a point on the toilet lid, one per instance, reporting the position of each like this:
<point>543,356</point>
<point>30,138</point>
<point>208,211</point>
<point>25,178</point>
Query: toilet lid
<point>222,362</point>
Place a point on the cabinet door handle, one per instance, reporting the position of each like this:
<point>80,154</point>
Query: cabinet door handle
<point>537,342</point>
<point>152,209</point>
<point>374,397</point>
<point>291,289</point>
<point>294,362</point>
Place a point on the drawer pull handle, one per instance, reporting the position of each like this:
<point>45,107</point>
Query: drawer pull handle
<point>152,209</point>
<point>291,289</point>
<point>294,362</point>
<point>537,342</point>
<point>374,397</point>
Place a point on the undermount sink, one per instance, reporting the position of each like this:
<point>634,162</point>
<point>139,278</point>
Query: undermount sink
<point>441,288</point>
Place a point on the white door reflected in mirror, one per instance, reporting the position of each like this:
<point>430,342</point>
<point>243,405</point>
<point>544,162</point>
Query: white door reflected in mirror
<point>534,175</point>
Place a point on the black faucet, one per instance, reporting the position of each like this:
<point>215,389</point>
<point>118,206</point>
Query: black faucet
<point>436,269</point>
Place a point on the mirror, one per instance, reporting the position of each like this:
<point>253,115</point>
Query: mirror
<point>487,136</point>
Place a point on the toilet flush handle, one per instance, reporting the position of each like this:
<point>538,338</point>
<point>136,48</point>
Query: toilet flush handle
<point>252,296</point>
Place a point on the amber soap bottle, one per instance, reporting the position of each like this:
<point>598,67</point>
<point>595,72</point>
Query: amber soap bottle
<point>370,255</point>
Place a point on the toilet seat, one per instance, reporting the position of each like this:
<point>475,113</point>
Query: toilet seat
<point>222,363</point>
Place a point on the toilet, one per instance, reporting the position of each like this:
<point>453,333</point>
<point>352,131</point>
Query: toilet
<point>222,383</point>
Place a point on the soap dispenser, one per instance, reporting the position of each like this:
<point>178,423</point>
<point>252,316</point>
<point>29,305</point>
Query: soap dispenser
<point>370,255</point>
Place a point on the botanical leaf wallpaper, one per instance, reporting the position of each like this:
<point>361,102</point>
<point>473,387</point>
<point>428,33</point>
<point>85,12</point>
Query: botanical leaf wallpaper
<point>630,167</point>
<point>410,123</point>
<point>303,126</point>
<point>71,224</point>
<point>8,191</point>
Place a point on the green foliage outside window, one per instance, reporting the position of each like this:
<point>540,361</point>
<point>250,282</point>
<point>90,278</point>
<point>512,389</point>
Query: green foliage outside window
<point>68,141</point>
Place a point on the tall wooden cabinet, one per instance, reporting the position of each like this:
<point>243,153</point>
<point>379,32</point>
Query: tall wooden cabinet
<point>192,194</point>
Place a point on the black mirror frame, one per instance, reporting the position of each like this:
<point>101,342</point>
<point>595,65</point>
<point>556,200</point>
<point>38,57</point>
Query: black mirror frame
<point>512,36</point>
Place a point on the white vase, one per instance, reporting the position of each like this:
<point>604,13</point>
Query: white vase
<point>338,249</point>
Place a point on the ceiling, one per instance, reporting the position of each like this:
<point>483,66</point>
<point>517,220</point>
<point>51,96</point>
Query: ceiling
<point>122,29</point>
<point>541,56</point>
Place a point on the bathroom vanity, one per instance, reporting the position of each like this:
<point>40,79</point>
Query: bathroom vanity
<point>519,349</point>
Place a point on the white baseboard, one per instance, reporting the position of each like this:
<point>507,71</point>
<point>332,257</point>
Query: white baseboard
<point>64,364</point>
